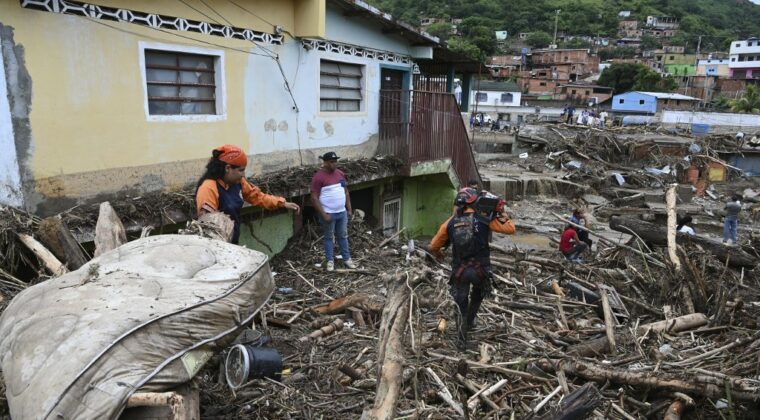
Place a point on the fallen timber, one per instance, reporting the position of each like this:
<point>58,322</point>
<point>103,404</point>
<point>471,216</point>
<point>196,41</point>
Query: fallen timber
<point>734,255</point>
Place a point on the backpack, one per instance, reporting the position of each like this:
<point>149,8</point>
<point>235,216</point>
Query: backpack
<point>463,237</point>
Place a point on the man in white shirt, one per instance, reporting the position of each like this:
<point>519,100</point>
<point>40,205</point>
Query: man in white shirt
<point>329,195</point>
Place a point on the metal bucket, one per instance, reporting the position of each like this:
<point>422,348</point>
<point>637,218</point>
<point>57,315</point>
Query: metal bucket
<point>245,362</point>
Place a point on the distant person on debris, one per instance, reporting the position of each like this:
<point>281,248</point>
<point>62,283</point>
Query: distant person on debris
<point>467,232</point>
<point>569,111</point>
<point>579,218</point>
<point>329,195</point>
<point>571,245</point>
<point>684,226</point>
<point>603,119</point>
<point>730,224</point>
<point>223,187</point>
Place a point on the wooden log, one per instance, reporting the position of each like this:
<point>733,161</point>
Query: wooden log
<point>633,200</point>
<point>670,203</point>
<point>363,301</point>
<point>661,380</point>
<point>48,260</point>
<point>331,328</point>
<point>657,235</point>
<point>577,405</point>
<point>675,325</point>
<point>444,392</point>
<point>109,231</point>
<point>472,403</point>
<point>54,234</point>
<point>390,347</point>
<point>609,321</point>
<point>174,401</point>
<point>474,390</point>
<point>590,348</point>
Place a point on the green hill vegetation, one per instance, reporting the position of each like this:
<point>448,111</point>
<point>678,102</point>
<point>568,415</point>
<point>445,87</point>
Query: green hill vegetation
<point>717,21</point>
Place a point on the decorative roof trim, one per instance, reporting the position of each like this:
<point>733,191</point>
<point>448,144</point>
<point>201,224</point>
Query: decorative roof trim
<point>151,20</point>
<point>355,51</point>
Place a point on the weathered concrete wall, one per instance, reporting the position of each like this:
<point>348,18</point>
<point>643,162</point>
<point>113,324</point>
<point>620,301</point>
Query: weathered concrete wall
<point>427,201</point>
<point>10,177</point>
<point>718,121</point>
<point>89,136</point>
<point>268,234</point>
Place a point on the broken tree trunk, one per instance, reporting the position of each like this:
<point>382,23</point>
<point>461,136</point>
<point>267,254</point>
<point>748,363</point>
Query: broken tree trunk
<point>109,231</point>
<point>363,301</point>
<point>48,260</point>
<point>691,384</point>
<point>597,346</point>
<point>670,203</point>
<point>657,235</point>
<point>54,234</point>
<point>390,345</point>
<point>675,325</point>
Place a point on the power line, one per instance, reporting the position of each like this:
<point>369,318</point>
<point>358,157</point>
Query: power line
<point>253,14</point>
<point>271,53</point>
<point>207,16</point>
<point>93,20</point>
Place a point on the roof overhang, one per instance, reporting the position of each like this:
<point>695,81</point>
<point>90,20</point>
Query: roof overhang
<point>389,24</point>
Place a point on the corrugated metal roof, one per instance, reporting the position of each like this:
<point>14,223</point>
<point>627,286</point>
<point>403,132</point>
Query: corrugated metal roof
<point>491,86</point>
<point>665,95</point>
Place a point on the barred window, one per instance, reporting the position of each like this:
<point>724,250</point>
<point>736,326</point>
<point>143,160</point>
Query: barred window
<point>180,83</point>
<point>482,97</point>
<point>506,97</point>
<point>340,86</point>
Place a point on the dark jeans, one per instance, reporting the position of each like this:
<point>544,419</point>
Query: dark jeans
<point>468,291</point>
<point>583,236</point>
<point>575,251</point>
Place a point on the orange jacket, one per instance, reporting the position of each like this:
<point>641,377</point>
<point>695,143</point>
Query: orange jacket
<point>207,197</point>
<point>442,236</point>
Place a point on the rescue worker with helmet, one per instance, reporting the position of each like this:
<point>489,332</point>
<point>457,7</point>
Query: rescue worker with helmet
<point>467,231</point>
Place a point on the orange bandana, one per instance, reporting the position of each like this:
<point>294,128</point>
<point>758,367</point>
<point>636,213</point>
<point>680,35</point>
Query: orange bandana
<point>233,155</point>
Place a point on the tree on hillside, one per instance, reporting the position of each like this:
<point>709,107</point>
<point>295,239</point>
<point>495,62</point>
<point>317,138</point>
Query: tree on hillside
<point>539,39</point>
<point>749,102</point>
<point>442,30</point>
<point>624,77</point>
<point>465,47</point>
<point>648,42</point>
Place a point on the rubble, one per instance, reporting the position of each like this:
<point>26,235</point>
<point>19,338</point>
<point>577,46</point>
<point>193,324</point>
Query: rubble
<point>624,335</point>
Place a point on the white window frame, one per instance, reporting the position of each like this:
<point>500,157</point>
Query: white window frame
<point>363,105</point>
<point>219,80</point>
<point>386,204</point>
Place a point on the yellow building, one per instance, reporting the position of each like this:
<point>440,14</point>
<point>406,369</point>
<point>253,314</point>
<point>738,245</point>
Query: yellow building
<point>102,97</point>
<point>120,98</point>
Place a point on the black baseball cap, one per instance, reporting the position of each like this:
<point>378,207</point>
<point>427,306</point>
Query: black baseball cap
<point>329,156</point>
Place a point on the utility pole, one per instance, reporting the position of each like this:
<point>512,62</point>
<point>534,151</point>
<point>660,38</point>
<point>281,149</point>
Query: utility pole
<point>556,19</point>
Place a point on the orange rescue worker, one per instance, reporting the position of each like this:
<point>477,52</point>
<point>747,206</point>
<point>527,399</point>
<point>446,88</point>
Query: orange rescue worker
<point>468,232</point>
<point>223,187</point>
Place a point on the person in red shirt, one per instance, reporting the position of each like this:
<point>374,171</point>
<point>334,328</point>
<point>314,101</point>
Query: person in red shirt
<point>330,197</point>
<point>571,245</point>
<point>223,187</point>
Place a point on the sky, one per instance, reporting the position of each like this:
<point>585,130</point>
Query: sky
<point>755,1</point>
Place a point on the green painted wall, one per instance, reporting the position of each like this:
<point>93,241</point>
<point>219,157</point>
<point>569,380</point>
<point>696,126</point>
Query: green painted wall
<point>274,231</point>
<point>680,69</point>
<point>426,202</point>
